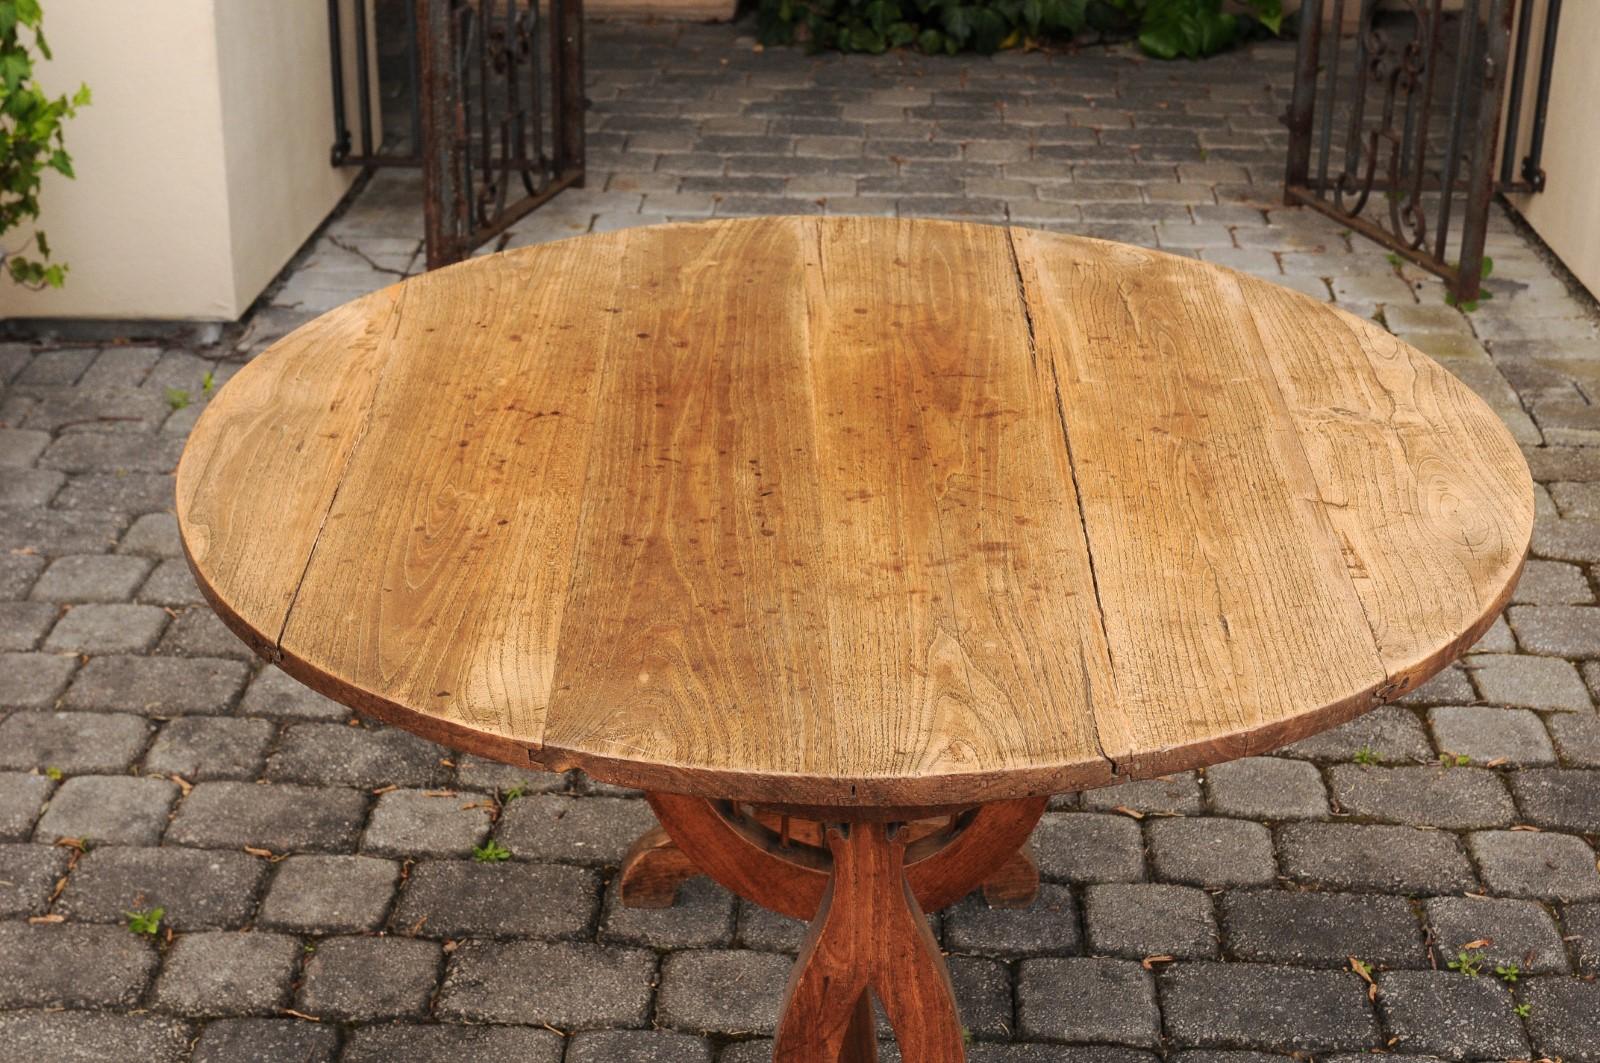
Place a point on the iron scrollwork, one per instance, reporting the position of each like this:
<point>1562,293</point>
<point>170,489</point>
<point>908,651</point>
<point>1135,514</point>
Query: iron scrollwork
<point>1409,68</point>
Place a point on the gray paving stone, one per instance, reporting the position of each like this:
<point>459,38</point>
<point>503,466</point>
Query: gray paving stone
<point>1560,799</point>
<point>1561,1015</point>
<point>55,532</point>
<point>490,776</point>
<point>210,747</point>
<point>637,1046</point>
<point>18,572</point>
<point>171,584</point>
<point>568,986</point>
<point>1047,927</point>
<point>329,894</point>
<point>362,757</point>
<point>196,889</point>
<point>1453,797</point>
<point>702,917</point>
<point>1223,1056</point>
<point>281,818</point>
<point>79,452</point>
<point>983,995</point>
<point>1390,735</point>
<point>1557,630</point>
<point>1530,682</point>
<point>72,742</point>
<point>1136,920</point>
<point>93,1037</point>
<point>108,810</point>
<point>249,1040</point>
<point>1454,1017</point>
<point>767,931</point>
<point>722,991</point>
<point>589,831</point>
<point>1450,687</point>
<point>19,447</point>
<point>29,488</point>
<point>1517,932</point>
<point>1089,847</point>
<point>28,874</point>
<point>1577,739</point>
<point>119,492</point>
<point>57,367</point>
<point>276,695</point>
<point>33,680</point>
<point>463,898</point>
<point>90,578</point>
<point>1036,1052</point>
<point>1491,735</point>
<point>406,1043</point>
<point>1321,929</point>
<point>1581,922</point>
<point>157,686</point>
<point>1350,856</point>
<point>1271,788</point>
<point>22,797</point>
<point>1212,851</point>
<point>152,535</point>
<point>197,632</point>
<point>96,628</point>
<point>365,978</point>
<point>227,973</point>
<point>23,624</point>
<point>414,823</point>
<point>72,966</point>
<point>1088,1001</point>
<point>1174,793</point>
<point>1543,866</point>
<point>1258,1006</point>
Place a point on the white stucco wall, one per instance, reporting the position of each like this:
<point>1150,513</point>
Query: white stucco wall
<point>1567,213</point>
<point>202,163</point>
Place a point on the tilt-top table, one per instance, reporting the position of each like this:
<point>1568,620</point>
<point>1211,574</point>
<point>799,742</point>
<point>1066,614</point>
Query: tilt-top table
<point>850,540</point>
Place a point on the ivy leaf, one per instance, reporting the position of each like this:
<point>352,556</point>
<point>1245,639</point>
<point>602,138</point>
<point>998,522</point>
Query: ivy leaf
<point>1269,13</point>
<point>958,23</point>
<point>930,41</point>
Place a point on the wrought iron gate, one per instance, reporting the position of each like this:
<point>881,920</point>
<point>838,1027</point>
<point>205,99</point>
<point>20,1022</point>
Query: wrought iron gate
<point>491,109</point>
<point>1398,139</point>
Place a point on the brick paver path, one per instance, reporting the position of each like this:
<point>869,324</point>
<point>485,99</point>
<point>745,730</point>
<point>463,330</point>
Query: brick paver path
<point>309,865</point>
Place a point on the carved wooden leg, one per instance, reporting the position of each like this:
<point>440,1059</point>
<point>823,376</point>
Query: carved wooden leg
<point>864,886</point>
<point>653,870</point>
<point>1016,884</point>
<point>869,934</point>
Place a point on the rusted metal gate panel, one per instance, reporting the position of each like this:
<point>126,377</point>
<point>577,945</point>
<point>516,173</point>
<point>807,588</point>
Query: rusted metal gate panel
<point>1394,132</point>
<point>491,111</point>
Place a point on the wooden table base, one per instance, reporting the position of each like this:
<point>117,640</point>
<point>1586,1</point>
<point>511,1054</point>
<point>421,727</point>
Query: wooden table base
<point>864,886</point>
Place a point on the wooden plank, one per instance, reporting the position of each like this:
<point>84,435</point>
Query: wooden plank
<point>439,580</point>
<point>973,643</point>
<point>1429,496</point>
<point>1227,605</point>
<point>695,631</point>
<point>852,512</point>
<point>262,464</point>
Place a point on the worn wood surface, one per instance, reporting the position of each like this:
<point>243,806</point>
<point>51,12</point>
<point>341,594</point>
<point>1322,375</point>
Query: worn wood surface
<point>852,512</point>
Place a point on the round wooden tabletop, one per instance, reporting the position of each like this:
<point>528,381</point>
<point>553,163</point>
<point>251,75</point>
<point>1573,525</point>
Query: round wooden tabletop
<point>852,511</point>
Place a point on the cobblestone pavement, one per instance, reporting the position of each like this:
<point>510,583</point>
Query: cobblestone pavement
<point>319,895</point>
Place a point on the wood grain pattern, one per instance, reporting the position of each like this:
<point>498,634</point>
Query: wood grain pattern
<point>852,512</point>
<point>868,935</point>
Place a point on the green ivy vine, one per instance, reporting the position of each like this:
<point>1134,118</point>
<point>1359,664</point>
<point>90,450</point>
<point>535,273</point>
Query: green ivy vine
<point>31,142</point>
<point>1166,29</point>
